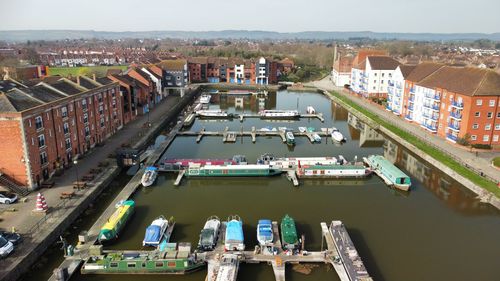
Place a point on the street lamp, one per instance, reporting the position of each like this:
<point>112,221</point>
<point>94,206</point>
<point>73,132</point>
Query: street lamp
<point>76,170</point>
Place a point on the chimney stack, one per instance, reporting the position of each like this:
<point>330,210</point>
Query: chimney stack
<point>78,79</point>
<point>93,76</point>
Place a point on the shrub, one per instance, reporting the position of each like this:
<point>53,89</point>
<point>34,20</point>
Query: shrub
<point>481,146</point>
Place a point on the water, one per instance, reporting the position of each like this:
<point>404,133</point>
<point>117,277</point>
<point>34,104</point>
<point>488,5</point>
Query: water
<point>438,231</point>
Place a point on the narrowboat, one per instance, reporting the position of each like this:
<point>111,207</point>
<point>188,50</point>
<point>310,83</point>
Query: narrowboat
<point>116,221</point>
<point>234,240</point>
<point>149,176</point>
<point>289,237</point>
<point>215,113</point>
<point>337,135</point>
<point>355,170</point>
<point>142,262</point>
<point>155,232</point>
<point>290,138</point>
<point>209,234</point>
<point>286,114</point>
<point>265,232</point>
<point>227,270</point>
<point>197,170</point>
<point>391,175</point>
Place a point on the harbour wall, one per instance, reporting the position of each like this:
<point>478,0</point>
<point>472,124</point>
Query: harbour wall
<point>484,195</point>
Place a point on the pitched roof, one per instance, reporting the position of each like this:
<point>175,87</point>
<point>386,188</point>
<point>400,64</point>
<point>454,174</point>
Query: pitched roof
<point>173,65</point>
<point>200,60</point>
<point>104,80</point>
<point>6,85</point>
<point>362,54</point>
<point>464,80</point>
<point>382,62</point>
<point>423,70</point>
<point>21,101</point>
<point>5,104</point>
<point>406,69</point>
<point>66,87</point>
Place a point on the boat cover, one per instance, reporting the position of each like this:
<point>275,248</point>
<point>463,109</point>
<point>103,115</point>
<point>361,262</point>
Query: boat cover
<point>265,228</point>
<point>234,231</point>
<point>153,233</point>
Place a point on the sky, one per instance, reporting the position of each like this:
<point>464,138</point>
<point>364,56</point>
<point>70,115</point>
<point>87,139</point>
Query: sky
<point>434,16</point>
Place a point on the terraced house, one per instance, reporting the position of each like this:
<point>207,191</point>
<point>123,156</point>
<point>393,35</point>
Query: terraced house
<point>46,125</point>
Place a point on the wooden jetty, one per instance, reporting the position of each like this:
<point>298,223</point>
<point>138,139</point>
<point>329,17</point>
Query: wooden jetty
<point>318,116</point>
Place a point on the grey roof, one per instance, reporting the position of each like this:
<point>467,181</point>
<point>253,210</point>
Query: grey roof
<point>6,85</point>
<point>66,87</point>
<point>21,101</point>
<point>104,80</point>
<point>5,104</point>
<point>87,84</point>
<point>43,93</point>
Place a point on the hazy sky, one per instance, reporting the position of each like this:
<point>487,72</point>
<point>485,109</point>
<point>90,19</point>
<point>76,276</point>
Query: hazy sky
<point>273,15</point>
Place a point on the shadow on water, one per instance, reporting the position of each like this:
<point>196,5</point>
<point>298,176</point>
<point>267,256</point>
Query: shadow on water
<point>365,254</point>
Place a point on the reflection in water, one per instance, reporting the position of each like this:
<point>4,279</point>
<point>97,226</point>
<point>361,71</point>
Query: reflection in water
<point>254,102</point>
<point>338,112</point>
<point>367,136</point>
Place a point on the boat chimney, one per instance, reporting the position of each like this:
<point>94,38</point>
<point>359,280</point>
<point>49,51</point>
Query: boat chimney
<point>302,246</point>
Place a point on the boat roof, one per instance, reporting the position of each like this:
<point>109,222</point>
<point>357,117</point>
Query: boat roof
<point>235,167</point>
<point>289,230</point>
<point>118,214</point>
<point>151,168</point>
<point>234,230</point>
<point>387,166</point>
<point>334,167</point>
<point>265,221</point>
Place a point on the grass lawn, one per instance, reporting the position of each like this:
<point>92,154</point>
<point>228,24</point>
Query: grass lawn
<point>84,70</point>
<point>433,152</point>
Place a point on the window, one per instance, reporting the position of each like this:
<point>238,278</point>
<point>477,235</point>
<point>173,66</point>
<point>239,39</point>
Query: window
<point>38,122</point>
<point>374,87</point>
<point>114,103</point>
<point>492,103</point>
<point>113,264</point>
<point>41,141</point>
<point>382,82</point>
<point>87,131</point>
<point>486,137</point>
<point>131,264</point>
<point>495,138</point>
<point>99,97</point>
<point>477,114</point>
<point>68,143</point>
<point>375,74</point>
<point>383,74</point>
<point>479,102</point>
<point>66,128</point>
<point>84,104</point>
<point>374,81</point>
<point>498,115</point>
<point>43,158</point>
<point>487,127</point>
<point>159,264</point>
<point>85,118</point>
<point>473,137</point>
<point>475,126</point>
<point>102,122</point>
<point>64,111</point>
<point>497,127</point>
<point>490,115</point>
<point>101,109</point>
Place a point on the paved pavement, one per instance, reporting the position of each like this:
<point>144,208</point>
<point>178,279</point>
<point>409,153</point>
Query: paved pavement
<point>478,160</point>
<point>22,219</point>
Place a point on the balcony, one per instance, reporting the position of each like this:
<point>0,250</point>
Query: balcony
<point>412,98</point>
<point>454,126</point>
<point>457,104</point>
<point>388,107</point>
<point>434,107</point>
<point>452,137</point>
<point>430,127</point>
<point>408,117</point>
<point>412,90</point>
<point>456,115</point>
<point>410,108</point>
<point>398,86</point>
<point>430,116</point>
<point>433,97</point>
<point>391,84</point>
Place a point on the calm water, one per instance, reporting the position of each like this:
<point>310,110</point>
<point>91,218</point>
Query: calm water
<point>438,231</point>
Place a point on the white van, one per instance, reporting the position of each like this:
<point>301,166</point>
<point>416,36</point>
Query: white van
<point>6,247</point>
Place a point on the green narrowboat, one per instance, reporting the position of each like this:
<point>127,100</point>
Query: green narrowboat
<point>142,262</point>
<point>391,175</point>
<point>289,237</point>
<point>197,170</point>
<point>116,221</point>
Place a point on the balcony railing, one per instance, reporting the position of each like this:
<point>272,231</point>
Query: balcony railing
<point>412,90</point>
<point>434,97</point>
<point>391,84</point>
<point>411,99</point>
<point>408,117</point>
<point>430,127</point>
<point>388,107</point>
<point>398,85</point>
<point>456,115</point>
<point>452,137</point>
<point>430,116</point>
<point>457,104</point>
<point>431,106</point>
<point>454,126</point>
<point>410,108</point>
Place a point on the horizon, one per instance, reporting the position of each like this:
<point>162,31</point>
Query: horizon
<point>387,16</point>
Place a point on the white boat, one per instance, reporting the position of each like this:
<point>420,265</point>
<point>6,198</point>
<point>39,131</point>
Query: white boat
<point>149,176</point>
<point>337,136</point>
<point>205,99</point>
<point>209,234</point>
<point>302,129</point>
<point>316,137</point>
<point>155,232</point>
<point>290,138</point>
<point>268,129</point>
<point>279,114</point>
<point>265,232</point>
<point>214,113</point>
<point>310,110</point>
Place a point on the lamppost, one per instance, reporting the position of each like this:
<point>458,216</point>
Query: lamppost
<point>76,170</point>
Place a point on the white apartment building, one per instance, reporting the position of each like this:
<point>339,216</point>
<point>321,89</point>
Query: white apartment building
<point>371,77</point>
<point>395,89</point>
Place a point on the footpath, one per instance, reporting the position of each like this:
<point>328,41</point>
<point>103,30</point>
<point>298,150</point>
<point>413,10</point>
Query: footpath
<point>480,160</point>
<point>38,229</point>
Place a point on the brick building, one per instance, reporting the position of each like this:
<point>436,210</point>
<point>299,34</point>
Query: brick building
<point>47,125</point>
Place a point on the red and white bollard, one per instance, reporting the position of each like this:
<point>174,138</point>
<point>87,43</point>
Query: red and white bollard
<point>41,204</point>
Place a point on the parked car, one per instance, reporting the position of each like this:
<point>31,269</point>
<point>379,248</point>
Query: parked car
<point>6,247</point>
<point>12,237</point>
<point>7,197</point>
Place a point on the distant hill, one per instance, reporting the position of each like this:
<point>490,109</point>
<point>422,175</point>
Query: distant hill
<point>24,35</point>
